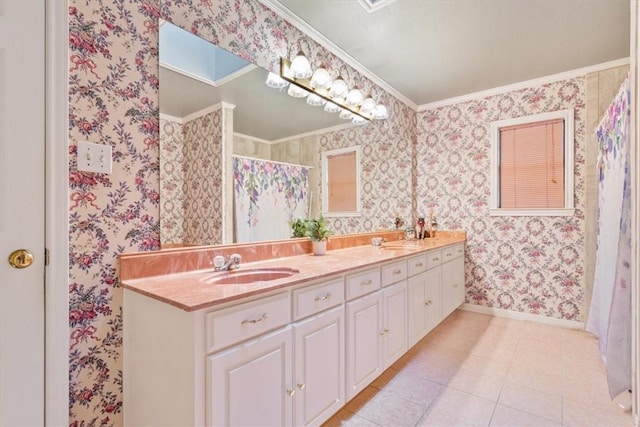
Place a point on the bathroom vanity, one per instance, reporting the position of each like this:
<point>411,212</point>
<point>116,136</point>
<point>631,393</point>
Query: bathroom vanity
<point>288,351</point>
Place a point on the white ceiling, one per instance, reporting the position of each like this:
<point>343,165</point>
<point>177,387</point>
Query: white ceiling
<point>430,50</point>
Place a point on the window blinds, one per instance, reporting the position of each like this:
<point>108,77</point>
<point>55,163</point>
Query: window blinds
<point>532,165</point>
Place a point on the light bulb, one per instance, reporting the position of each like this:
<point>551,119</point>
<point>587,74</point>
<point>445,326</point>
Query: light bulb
<point>367,105</point>
<point>330,107</point>
<point>346,114</point>
<point>275,81</point>
<point>300,67</point>
<point>338,90</point>
<point>315,100</point>
<point>380,112</point>
<point>354,98</point>
<point>321,79</point>
<point>297,92</point>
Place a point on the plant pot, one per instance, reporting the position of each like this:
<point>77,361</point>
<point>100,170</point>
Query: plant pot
<point>319,248</point>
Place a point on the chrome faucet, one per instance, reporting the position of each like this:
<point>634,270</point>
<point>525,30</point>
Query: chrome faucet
<point>233,262</point>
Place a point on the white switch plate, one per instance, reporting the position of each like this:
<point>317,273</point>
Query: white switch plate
<point>94,157</point>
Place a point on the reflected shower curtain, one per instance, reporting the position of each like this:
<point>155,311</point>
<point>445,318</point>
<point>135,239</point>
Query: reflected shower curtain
<point>267,195</point>
<point>610,312</point>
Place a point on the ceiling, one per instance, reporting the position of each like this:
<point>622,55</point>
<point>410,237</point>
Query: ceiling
<point>430,50</point>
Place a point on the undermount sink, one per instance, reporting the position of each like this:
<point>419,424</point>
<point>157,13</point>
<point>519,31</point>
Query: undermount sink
<point>240,276</point>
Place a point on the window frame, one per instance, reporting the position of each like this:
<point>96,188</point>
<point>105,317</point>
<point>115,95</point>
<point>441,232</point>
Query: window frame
<point>567,116</point>
<point>325,182</point>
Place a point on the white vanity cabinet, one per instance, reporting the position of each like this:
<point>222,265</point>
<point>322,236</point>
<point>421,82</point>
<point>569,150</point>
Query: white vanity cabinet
<point>251,384</point>
<point>424,295</point>
<point>453,286</point>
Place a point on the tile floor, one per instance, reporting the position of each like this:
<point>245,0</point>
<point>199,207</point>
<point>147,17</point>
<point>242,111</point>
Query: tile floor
<point>479,370</point>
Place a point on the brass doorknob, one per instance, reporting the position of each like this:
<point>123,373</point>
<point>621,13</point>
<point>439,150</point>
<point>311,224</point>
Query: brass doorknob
<point>20,258</point>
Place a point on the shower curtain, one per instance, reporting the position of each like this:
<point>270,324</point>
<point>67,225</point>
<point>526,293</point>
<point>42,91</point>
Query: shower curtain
<point>267,195</point>
<point>610,312</point>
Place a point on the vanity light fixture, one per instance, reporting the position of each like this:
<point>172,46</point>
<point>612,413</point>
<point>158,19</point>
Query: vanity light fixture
<point>337,96</point>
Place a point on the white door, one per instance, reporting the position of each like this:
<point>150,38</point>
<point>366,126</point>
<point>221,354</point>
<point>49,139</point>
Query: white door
<point>22,147</point>
<point>395,322</point>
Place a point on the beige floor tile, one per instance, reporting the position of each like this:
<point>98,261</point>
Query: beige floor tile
<point>464,407</point>
<point>345,418</point>
<point>386,409</point>
<point>386,376</point>
<point>589,415</point>
<point>485,366</point>
<point>524,375</point>
<point>587,389</point>
<point>439,419</point>
<point>544,405</point>
<point>413,388</point>
<point>494,350</point>
<point>505,416</point>
<point>477,383</point>
<point>544,333</point>
<point>542,360</point>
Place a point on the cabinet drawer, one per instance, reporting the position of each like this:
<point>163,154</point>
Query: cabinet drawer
<point>363,282</point>
<point>434,259</point>
<point>243,321</point>
<point>417,264</point>
<point>452,252</point>
<point>321,296</point>
<point>392,273</point>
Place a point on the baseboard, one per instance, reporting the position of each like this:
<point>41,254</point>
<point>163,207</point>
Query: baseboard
<point>500,312</point>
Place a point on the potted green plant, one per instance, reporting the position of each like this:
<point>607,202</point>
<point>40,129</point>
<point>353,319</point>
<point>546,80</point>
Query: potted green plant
<point>317,231</point>
<point>298,227</point>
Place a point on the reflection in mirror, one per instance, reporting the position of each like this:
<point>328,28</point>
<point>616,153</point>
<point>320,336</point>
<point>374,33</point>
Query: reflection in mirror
<point>341,182</point>
<point>213,105</point>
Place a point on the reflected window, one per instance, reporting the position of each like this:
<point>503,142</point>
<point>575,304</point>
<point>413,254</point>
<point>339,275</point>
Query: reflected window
<point>341,182</point>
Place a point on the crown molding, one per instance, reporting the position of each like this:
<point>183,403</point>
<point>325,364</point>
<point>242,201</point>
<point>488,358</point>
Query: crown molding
<point>525,84</point>
<point>169,118</point>
<point>252,138</point>
<point>319,38</point>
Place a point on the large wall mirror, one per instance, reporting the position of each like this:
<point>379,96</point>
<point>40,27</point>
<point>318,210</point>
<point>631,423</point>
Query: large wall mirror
<point>199,81</point>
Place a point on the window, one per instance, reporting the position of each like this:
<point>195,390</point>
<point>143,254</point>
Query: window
<point>341,182</point>
<point>532,165</point>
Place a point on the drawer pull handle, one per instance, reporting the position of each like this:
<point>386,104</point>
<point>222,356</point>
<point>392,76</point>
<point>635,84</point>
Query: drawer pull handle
<point>302,386</point>
<point>436,259</point>
<point>323,298</point>
<point>385,332</point>
<point>428,302</point>
<point>291,392</point>
<point>396,272</point>
<point>419,265</point>
<point>448,254</point>
<point>258,320</point>
<point>367,283</point>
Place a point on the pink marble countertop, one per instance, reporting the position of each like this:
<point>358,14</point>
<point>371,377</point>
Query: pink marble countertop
<point>190,291</point>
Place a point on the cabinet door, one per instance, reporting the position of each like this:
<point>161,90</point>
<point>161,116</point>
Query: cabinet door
<point>249,384</point>
<point>432,299</point>
<point>364,342</point>
<point>453,292</point>
<point>319,367</point>
<point>395,322</point>
<point>416,307</point>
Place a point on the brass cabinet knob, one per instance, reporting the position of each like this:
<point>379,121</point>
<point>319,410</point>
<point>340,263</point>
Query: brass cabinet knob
<point>20,258</point>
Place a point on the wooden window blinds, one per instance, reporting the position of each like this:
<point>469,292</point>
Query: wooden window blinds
<point>532,165</point>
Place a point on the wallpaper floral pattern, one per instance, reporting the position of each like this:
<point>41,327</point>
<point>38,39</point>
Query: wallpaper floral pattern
<point>203,180</point>
<point>526,264</point>
<point>171,183</point>
<point>113,99</point>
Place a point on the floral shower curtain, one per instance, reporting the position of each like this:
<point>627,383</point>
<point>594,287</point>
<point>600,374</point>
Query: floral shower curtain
<point>267,195</point>
<point>610,313</point>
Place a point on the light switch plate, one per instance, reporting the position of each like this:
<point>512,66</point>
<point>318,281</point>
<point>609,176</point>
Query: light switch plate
<point>94,157</point>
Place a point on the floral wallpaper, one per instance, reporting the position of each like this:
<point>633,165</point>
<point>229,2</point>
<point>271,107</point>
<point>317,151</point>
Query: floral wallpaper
<point>113,99</point>
<point>171,183</point>
<point>526,264</point>
<point>203,180</point>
